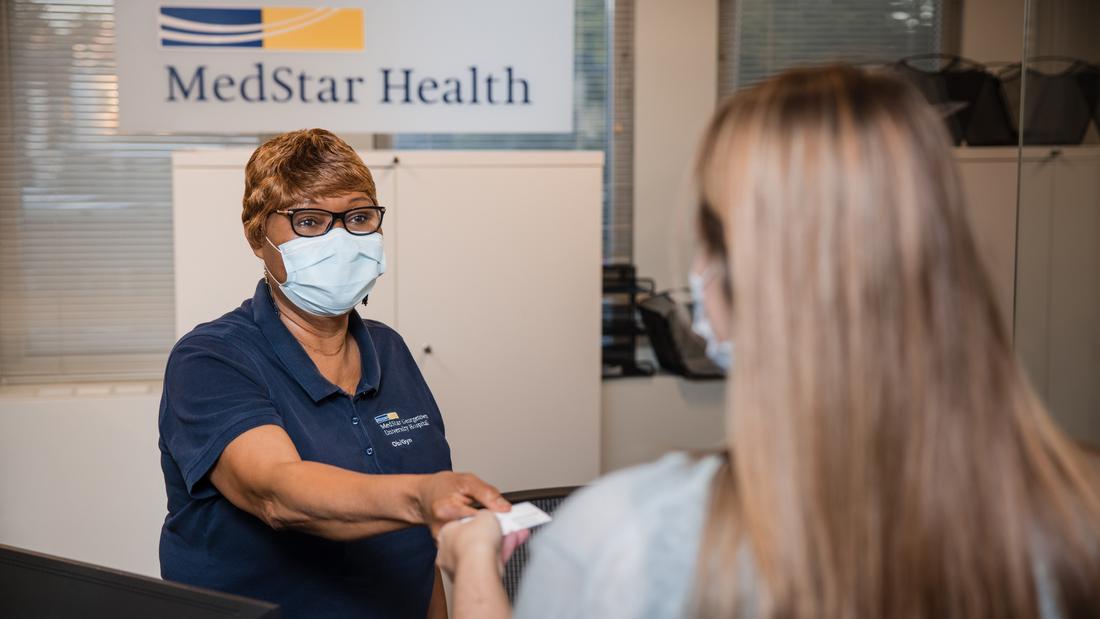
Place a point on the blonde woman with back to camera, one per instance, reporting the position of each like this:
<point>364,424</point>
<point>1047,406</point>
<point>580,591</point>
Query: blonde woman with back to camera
<point>886,455</point>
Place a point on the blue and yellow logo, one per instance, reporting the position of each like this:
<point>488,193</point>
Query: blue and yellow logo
<point>386,417</point>
<point>273,28</point>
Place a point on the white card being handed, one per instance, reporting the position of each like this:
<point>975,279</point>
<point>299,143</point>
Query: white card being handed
<point>523,516</point>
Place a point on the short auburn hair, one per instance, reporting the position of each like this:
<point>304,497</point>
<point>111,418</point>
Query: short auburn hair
<point>297,166</point>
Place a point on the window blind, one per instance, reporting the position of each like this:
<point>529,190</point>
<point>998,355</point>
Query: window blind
<point>618,242</point>
<point>759,38</point>
<point>86,285</point>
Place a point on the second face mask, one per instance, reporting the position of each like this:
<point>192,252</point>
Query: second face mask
<point>720,352</point>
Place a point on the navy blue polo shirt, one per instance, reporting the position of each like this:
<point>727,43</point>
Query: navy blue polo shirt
<point>245,370</point>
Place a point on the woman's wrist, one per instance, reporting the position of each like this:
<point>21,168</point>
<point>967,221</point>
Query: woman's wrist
<point>414,491</point>
<point>421,499</point>
<point>477,558</point>
<point>471,547</point>
<point>479,553</point>
<point>396,498</point>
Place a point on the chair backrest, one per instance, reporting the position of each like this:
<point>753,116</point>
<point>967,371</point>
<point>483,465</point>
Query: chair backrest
<point>546,499</point>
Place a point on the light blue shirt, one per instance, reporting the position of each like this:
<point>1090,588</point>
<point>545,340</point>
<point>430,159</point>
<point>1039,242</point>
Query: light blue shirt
<point>624,547</point>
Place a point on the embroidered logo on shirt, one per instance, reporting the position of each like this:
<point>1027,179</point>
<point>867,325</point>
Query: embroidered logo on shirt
<point>391,416</point>
<point>391,424</point>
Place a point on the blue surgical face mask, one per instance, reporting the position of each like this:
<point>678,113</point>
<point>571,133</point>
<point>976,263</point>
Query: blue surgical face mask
<point>720,352</point>
<point>328,275</point>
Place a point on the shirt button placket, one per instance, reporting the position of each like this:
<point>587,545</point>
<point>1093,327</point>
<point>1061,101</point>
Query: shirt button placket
<point>355,421</point>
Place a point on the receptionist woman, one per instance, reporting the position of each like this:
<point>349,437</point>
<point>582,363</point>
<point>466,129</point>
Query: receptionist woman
<point>282,484</point>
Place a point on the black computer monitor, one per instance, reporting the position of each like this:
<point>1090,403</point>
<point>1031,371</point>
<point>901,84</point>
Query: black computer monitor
<point>40,586</point>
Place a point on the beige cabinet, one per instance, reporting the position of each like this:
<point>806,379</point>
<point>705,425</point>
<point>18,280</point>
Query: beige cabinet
<point>493,279</point>
<point>1058,283</point>
<point>1045,263</point>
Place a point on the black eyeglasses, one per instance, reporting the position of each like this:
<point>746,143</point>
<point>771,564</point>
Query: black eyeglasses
<point>359,221</point>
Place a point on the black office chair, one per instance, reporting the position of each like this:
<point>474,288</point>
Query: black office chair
<point>546,499</point>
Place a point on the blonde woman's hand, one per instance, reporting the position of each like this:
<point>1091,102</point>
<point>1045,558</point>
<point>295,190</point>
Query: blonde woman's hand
<point>477,541</point>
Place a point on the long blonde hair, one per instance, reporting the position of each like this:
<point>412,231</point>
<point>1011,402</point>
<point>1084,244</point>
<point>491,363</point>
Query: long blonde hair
<point>887,456</point>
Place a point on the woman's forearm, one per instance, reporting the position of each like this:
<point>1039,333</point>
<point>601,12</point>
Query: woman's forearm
<point>261,472</point>
<point>339,504</point>
<point>477,589</point>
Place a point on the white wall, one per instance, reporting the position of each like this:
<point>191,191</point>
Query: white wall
<point>646,417</point>
<point>675,92</point>
<point>80,473</point>
<point>992,30</point>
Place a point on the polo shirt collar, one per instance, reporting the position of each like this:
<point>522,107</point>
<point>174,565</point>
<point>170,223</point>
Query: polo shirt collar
<point>297,361</point>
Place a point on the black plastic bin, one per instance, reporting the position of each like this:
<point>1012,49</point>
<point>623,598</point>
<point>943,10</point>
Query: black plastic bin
<point>1055,111</point>
<point>969,96</point>
<point>950,83</point>
<point>991,122</point>
<point>1088,77</point>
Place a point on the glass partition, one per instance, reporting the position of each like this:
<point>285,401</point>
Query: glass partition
<point>1057,293</point>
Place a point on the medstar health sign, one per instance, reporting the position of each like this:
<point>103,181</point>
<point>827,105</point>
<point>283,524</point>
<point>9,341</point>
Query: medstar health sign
<point>443,66</point>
